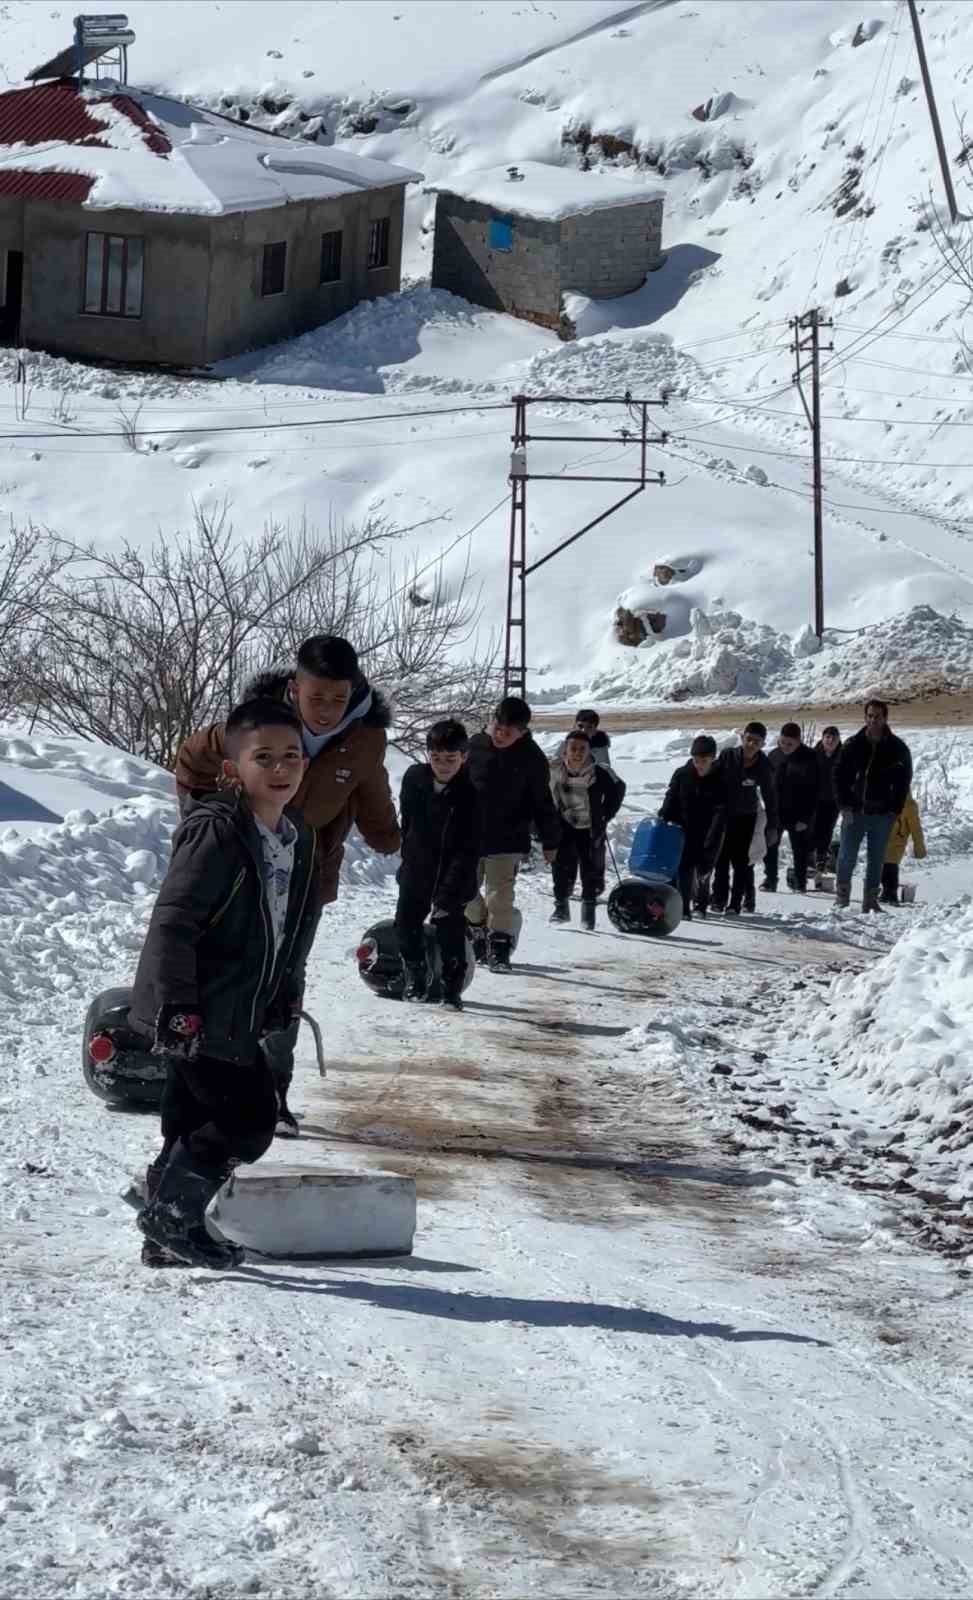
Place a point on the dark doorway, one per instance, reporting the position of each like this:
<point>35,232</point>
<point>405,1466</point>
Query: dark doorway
<point>11,296</point>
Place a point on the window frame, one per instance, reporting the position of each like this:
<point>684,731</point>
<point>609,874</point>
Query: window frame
<point>273,244</point>
<point>335,277</point>
<point>129,271</point>
<point>379,234</point>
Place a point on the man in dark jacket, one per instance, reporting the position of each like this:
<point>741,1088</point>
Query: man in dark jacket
<point>222,966</point>
<point>512,780</point>
<point>344,722</point>
<point>747,774</point>
<point>696,801</point>
<point>826,815</point>
<point>872,778</point>
<point>587,796</point>
<point>440,855</point>
<point>797,779</point>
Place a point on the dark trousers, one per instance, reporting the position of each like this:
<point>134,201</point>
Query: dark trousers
<point>800,849</point>
<point>890,881</point>
<point>278,1049</point>
<point>734,857</point>
<point>222,1111</point>
<point>449,925</point>
<point>825,821</point>
<point>691,865</point>
<point>578,852</point>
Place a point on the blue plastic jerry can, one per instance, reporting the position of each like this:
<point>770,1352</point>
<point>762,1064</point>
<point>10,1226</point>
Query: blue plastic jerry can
<point>656,849</point>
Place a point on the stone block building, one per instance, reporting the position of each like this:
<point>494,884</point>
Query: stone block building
<point>138,228</point>
<point>518,239</point>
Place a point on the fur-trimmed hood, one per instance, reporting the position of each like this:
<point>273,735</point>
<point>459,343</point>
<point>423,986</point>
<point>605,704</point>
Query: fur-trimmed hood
<point>271,684</point>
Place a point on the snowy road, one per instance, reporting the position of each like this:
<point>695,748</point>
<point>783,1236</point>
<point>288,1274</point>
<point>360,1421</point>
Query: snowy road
<point>627,1358</point>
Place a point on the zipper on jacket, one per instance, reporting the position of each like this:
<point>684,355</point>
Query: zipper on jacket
<point>224,908</point>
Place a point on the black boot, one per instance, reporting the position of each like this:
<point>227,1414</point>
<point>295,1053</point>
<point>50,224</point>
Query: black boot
<point>561,912</point>
<point>481,942</point>
<point>174,1218</point>
<point>454,971</point>
<point>286,1126</point>
<point>138,1194</point>
<point>501,946</point>
<point>416,980</point>
<point>588,915</point>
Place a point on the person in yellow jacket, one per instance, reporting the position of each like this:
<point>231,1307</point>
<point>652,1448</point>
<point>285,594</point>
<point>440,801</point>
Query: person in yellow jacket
<point>905,827</point>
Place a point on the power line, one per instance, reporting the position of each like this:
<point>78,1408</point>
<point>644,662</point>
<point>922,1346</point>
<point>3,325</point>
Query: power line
<point>831,416</point>
<point>801,455</point>
<point>920,338</point>
<point>263,427</point>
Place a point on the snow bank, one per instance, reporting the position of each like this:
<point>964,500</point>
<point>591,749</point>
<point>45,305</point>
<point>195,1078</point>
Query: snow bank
<point>901,1033</point>
<point>727,655</point>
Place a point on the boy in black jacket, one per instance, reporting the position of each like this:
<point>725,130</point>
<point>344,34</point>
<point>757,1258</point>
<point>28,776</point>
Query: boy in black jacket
<point>513,784</point>
<point>587,796</point>
<point>747,774</point>
<point>440,851</point>
<point>797,777</point>
<point>223,965</point>
<point>696,801</point>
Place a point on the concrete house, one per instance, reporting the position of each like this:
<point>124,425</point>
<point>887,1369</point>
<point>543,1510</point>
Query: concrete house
<point>519,238</point>
<point>143,229</point>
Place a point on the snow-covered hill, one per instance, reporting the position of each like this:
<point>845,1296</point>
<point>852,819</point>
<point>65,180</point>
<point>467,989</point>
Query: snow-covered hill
<point>793,144</point>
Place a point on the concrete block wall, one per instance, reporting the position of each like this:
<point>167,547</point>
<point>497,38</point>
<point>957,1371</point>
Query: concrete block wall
<point>172,327</point>
<point>608,253</point>
<point>525,280</point>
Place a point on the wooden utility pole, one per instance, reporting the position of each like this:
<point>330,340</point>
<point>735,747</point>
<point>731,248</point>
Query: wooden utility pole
<point>807,357</point>
<point>934,114</point>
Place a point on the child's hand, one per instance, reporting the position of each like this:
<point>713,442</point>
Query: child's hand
<point>178,1032</point>
<point>281,1013</point>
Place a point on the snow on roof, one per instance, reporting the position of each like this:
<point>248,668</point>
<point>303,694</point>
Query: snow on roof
<point>547,193</point>
<point>150,153</point>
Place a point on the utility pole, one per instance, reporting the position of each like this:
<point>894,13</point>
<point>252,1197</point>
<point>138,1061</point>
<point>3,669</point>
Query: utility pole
<point>515,644</point>
<point>807,358</point>
<point>934,114</point>
<point>634,432</point>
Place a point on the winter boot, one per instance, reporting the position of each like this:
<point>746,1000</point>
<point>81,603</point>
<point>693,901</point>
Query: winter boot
<point>481,942</point>
<point>501,946</point>
<point>138,1194</point>
<point>561,912</point>
<point>416,980</point>
<point>588,915</point>
<point>451,989</point>
<point>769,886</point>
<point>174,1218</point>
<point>870,900</point>
<point>842,896</point>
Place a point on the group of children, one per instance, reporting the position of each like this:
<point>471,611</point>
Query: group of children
<point>734,806</point>
<point>220,981</point>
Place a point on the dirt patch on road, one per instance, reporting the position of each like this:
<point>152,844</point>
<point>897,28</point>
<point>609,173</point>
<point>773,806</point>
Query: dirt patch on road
<point>567,1508</point>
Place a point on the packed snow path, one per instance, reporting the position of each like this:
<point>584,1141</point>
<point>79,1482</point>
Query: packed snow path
<point>625,1359</point>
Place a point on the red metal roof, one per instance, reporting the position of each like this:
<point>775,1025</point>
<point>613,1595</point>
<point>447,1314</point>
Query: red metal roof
<point>71,186</point>
<point>56,111</point>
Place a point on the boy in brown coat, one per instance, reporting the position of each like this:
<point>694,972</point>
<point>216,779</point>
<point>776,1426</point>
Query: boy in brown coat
<point>344,722</point>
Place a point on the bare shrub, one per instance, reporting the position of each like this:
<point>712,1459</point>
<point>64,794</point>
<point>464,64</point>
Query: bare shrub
<point>28,565</point>
<point>138,649</point>
<point>128,424</point>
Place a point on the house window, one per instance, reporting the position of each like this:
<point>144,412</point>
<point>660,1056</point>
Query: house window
<point>331,256</point>
<point>501,233</point>
<point>274,268</point>
<point>378,243</point>
<point>113,275</point>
